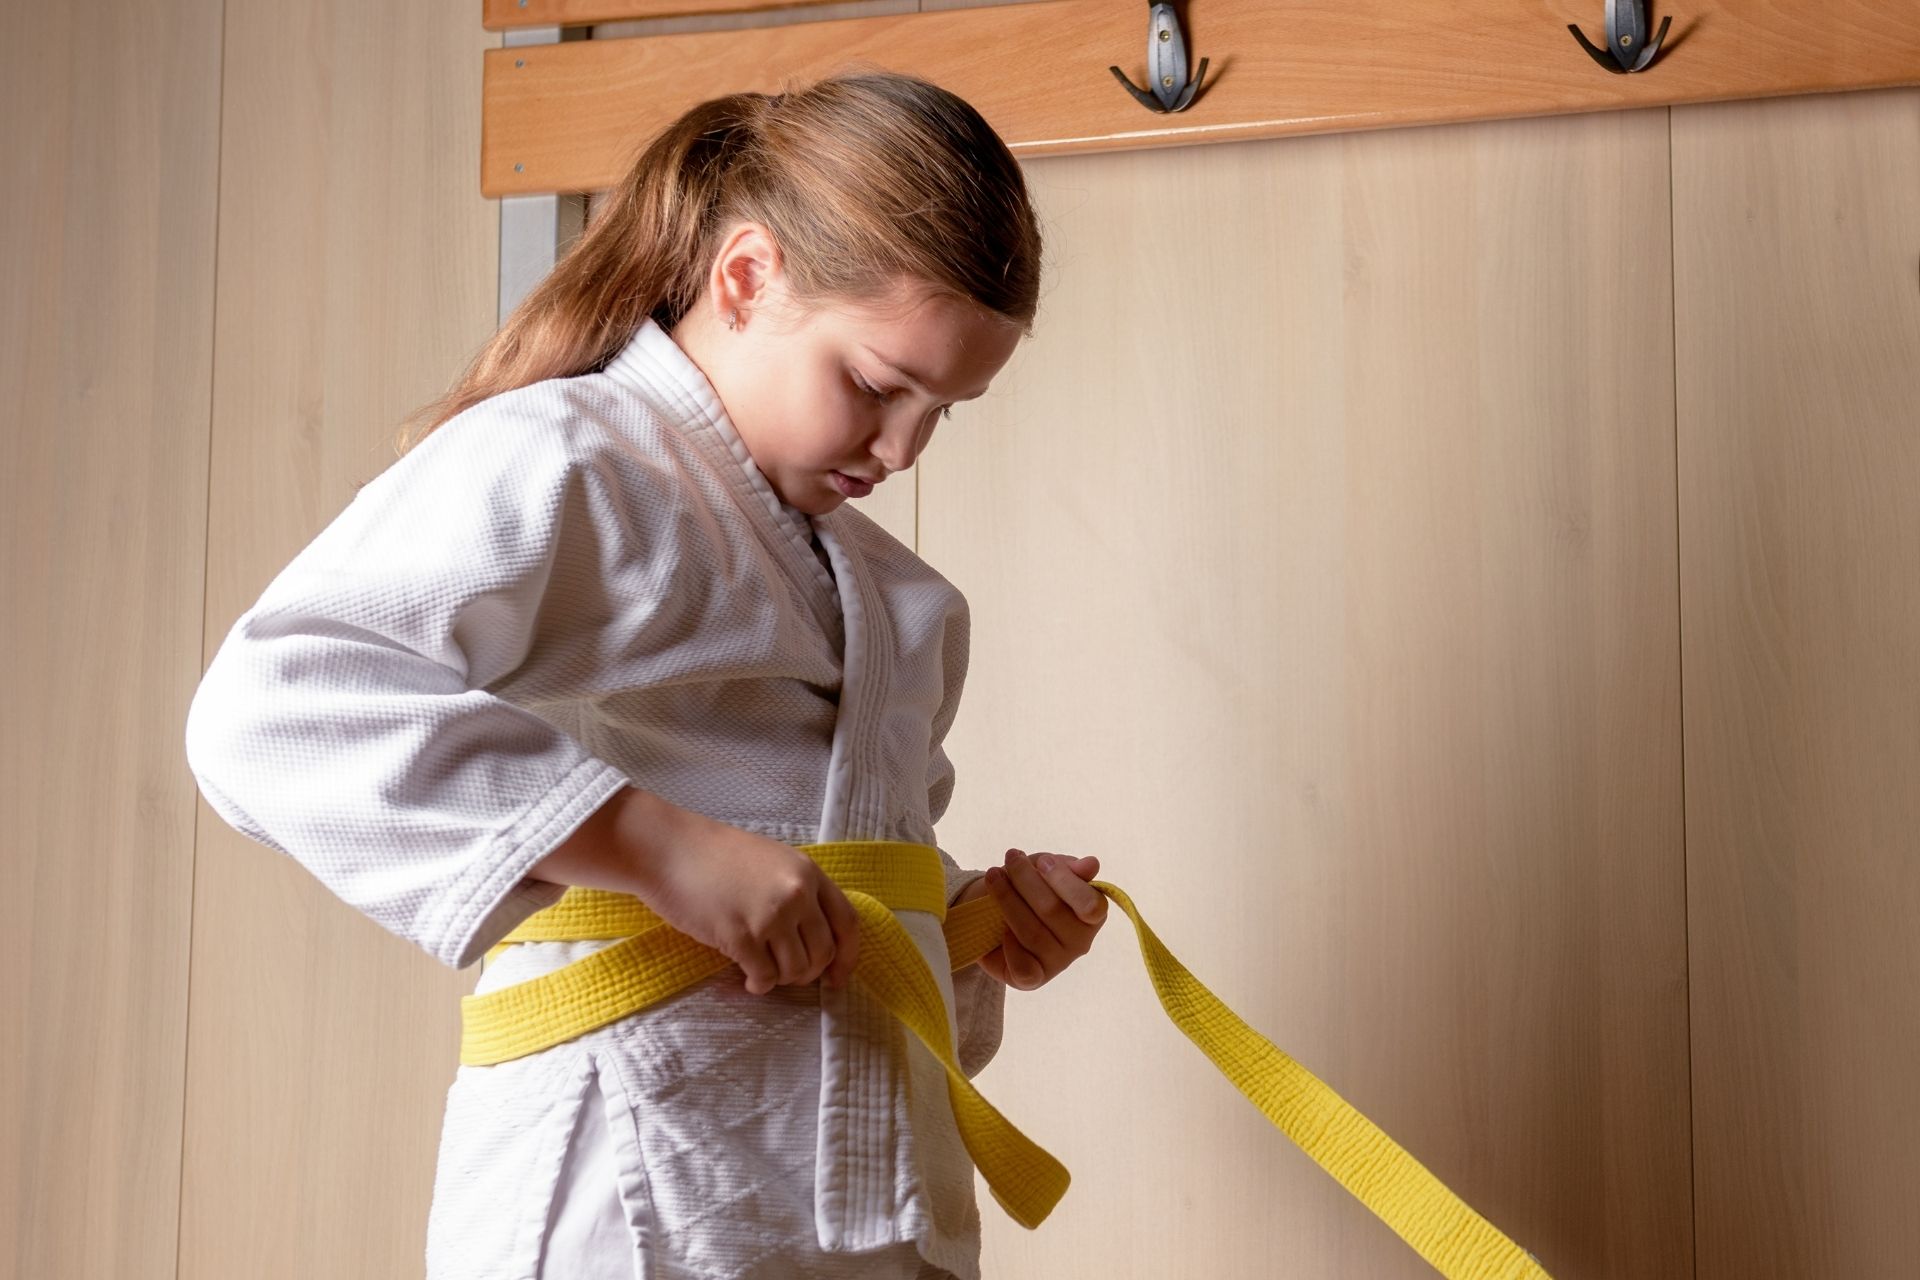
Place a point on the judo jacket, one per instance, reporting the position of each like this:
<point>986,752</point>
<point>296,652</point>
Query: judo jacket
<point>571,587</point>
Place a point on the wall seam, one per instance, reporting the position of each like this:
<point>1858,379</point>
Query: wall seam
<point>1679,568</point>
<point>206,563</point>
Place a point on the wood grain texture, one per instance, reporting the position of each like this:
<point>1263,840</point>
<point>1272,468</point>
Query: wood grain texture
<point>1797,325</point>
<point>106,355</point>
<point>1321,552</point>
<point>571,117</point>
<point>505,15</point>
<point>357,275</point>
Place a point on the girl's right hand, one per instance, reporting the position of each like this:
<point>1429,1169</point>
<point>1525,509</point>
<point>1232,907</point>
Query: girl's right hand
<point>766,905</point>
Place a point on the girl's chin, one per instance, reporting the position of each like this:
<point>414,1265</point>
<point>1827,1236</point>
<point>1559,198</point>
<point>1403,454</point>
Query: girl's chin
<point>815,502</point>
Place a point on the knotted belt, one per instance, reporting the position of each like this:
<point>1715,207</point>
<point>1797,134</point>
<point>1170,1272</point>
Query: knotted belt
<point>654,960</point>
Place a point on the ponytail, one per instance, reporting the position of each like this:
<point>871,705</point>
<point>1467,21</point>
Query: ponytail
<point>862,180</point>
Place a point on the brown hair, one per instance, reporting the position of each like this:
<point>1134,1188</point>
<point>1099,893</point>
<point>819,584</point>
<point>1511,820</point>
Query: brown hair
<point>864,180</point>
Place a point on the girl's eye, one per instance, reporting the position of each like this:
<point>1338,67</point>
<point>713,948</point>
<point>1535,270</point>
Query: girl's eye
<point>946,411</point>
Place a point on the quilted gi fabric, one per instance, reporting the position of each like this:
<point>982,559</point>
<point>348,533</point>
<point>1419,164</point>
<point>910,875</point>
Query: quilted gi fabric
<point>574,586</point>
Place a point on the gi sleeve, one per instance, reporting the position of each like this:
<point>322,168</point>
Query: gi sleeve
<point>346,719</point>
<point>979,999</point>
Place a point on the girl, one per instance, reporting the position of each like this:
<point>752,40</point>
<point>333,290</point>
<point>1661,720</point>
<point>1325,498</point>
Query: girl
<point>608,622</point>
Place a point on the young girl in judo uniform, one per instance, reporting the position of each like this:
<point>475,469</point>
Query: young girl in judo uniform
<point>610,622</point>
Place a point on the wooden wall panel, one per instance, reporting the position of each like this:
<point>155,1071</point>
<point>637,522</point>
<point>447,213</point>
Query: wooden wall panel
<point>1321,548</point>
<point>106,353</point>
<point>357,274</point>
<point>1797,319</point>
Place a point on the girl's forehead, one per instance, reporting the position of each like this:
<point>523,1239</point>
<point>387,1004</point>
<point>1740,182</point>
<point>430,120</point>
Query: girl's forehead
<point>900,325</point>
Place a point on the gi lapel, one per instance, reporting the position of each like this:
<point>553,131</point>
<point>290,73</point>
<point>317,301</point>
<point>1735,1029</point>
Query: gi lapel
<point>857,1181</point>
<point>856,804</point>
<point>656,360</point>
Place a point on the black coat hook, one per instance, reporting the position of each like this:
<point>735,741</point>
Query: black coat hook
<point>1627,48</point>
<point>1166,63</point>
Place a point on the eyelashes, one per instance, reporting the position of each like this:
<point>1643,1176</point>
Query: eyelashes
<point>945,412</point>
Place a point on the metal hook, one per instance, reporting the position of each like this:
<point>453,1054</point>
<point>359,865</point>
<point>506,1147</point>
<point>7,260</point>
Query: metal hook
<point>1166,63</point>
<point>1626,31</point>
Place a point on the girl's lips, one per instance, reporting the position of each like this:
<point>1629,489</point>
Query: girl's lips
<point>849,486</point>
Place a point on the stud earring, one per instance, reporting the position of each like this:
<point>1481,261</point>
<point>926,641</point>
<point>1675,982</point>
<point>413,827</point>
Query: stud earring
<point>733,320</point>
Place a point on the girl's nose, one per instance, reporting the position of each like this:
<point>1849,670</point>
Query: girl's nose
<point>897,447</point>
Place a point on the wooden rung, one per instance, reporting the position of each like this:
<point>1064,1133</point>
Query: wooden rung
<point>571,116</point>
<point>505,15</point>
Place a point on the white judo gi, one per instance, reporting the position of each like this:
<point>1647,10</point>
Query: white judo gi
<point>572,586</point>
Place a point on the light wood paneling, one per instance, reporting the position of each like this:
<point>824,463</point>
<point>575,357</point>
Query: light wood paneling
<point>106,353</point>
<point>1797,248</point>
<point>357,274</point>
<point>503,15</point>
<point>570,117</point>
<point>1322,559</point>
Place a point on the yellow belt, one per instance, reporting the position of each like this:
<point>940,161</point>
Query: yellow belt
<point>880,877</point>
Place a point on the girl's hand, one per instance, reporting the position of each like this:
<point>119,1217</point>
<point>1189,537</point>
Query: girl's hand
<point>1052,915</point>
<point>769,907</point>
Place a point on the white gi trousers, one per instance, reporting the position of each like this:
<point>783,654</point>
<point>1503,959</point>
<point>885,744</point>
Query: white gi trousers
<point>591,1237</point>
<point>684,1150</point>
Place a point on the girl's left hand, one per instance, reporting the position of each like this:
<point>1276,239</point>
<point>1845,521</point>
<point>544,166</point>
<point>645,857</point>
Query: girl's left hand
<point>1052,915</point>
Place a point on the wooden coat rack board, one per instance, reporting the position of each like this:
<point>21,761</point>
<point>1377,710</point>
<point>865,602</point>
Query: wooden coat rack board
<point>569,116</point>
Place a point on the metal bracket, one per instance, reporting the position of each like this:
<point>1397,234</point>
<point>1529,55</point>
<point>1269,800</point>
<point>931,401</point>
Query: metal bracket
<point>1166,63</point>
<point>1627,48</point>
<point>536,230</point>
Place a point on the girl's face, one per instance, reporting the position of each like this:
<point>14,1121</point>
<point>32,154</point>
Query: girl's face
<point>856,390</point>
